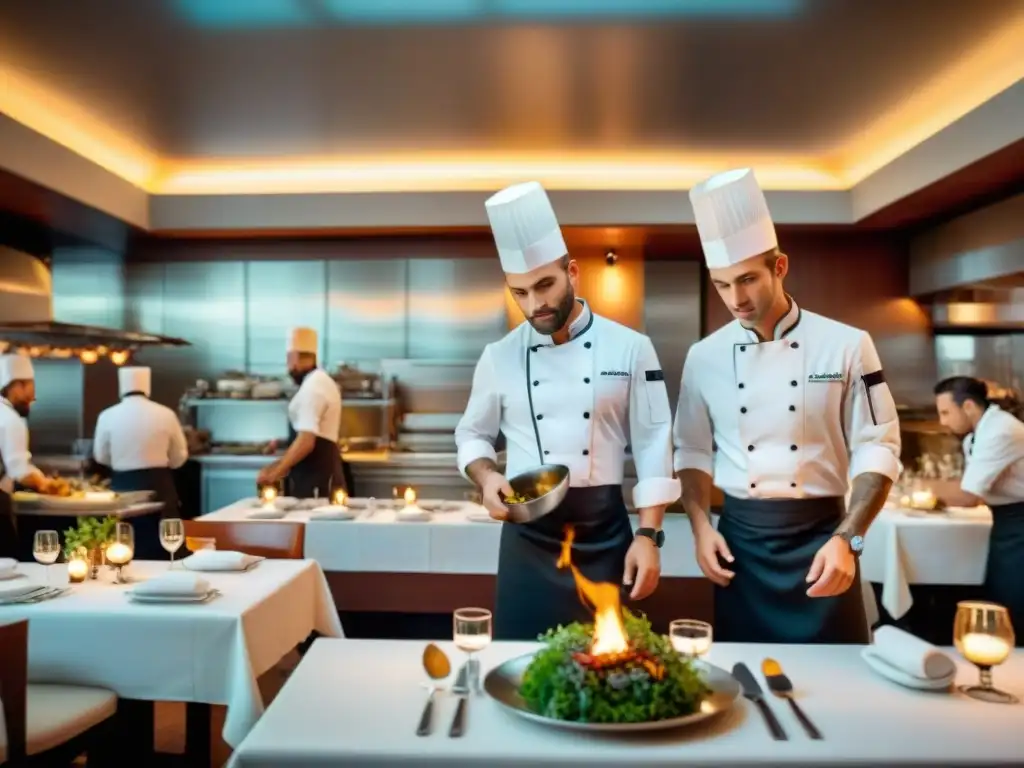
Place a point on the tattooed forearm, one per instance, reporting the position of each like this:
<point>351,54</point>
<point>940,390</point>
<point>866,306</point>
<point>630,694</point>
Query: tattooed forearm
<point>870,490</point>
<point>479,470</point>
<point>696,497</point>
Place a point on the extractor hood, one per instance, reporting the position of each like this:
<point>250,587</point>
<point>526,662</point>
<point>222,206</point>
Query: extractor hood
<point>27,323</point>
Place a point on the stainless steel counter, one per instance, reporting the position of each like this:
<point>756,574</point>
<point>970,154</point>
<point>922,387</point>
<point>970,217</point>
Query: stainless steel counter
<point>355,458</point>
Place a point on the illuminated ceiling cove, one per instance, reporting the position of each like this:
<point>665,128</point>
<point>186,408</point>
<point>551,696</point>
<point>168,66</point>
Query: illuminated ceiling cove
<point>182,97</point>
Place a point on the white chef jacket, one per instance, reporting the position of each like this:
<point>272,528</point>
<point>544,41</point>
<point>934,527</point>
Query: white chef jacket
<point>578,404</point>
<point>794,417</point>
<point>15,458</point>
<point>994,456</point>
<point>316,407</point>
<point>137,433</point>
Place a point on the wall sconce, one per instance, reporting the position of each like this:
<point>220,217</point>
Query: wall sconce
<point>611,258</point>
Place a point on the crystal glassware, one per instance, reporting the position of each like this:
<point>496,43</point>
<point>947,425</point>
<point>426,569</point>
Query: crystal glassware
<point>172,536</point>
<point>690,637</point>
<point>983,634</point>
<point>46,549</point>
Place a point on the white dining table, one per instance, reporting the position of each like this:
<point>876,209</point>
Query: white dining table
<point>211,653</point>
<point>368,716</point>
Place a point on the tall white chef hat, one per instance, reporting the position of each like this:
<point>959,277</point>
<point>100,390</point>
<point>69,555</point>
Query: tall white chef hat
<point>525,228</point>
<point>732,218</point>
<point>15,368</point>
<point>303,340</point>
<point>134,379</point>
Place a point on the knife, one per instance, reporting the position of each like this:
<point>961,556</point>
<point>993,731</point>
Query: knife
<point>460,689</point>
<point>752,691</point>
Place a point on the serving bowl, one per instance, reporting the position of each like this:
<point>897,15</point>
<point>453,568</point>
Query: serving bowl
<point>545,486</point>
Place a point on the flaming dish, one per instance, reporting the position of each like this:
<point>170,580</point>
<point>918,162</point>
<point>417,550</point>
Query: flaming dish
<point>614,674</point>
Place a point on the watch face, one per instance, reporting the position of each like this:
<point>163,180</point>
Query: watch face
<point>857,543</point>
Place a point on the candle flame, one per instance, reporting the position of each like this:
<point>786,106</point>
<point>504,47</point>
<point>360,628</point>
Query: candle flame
<point>269,493</point>
<point>609,631</point>
<point>410,497</point>
<point>340,497</point>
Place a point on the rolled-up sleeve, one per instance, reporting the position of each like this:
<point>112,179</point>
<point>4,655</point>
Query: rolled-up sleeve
<point>692,433</point>
<point>991,454</point>
<point>14,449</point>
<point>177,448</point>
<point>309,411</point>
<point>477,430</point>
<point>101,440</point>
<point>650,431</point>
<point>870,420</point>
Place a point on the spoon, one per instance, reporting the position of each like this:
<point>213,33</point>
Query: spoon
<point>781,686</point>
<point>437,666</point>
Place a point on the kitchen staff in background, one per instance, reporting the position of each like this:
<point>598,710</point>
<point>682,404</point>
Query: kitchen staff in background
<point>780,407</point>
<point>312,464</point>
<point>993,442</point>
<point>142,442</point>
<point>573,388</point>
<point>17,393</point>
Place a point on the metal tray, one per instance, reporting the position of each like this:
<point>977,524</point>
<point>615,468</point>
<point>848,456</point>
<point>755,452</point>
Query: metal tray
<point>502,685</point>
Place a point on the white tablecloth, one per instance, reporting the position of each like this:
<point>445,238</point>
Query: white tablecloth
<point>367,716</point>
<point>902,549</point>
<point>210,653</point>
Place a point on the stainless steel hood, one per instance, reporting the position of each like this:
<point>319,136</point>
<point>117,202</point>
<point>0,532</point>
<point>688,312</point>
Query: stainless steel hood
<point>971,270</point>
<point>27,322</point>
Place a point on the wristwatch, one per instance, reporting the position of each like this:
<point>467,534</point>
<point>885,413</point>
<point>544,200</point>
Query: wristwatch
<point>855,541</point>
<point>657,536</point>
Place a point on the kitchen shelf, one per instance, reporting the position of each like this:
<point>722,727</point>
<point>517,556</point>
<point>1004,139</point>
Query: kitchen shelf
<point>354,402</point>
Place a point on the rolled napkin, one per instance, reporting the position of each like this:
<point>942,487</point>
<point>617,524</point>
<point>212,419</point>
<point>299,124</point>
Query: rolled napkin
<point>266,514</point>
<point>173,584</point>
<point>912,654</point>
<point>8,567</point>
<point>219,560</point>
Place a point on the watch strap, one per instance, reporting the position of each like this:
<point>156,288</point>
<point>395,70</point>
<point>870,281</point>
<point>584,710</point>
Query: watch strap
<point>655,535</point>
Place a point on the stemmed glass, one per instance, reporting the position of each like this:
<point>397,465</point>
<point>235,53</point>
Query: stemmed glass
<point>690,637</point>
<point>121,550</point>
<point>471,631</point>
<point>172,536</point>
<point>46,549</point>
<point>983,634</point>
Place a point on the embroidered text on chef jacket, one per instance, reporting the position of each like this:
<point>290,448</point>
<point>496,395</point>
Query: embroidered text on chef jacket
<point>994,455</point>
<point>15,458</point>
<point>137,433</point>
<point>578,404</point>
<point>316,407</point>
<point>793,417</point>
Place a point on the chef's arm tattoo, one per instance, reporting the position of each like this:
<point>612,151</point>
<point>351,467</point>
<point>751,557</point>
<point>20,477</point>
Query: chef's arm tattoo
<point>870,490</point>
<point>479,469</point>
<point>696,497</point>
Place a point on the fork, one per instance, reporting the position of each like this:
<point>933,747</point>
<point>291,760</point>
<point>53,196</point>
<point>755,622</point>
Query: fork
<point>460,689</point>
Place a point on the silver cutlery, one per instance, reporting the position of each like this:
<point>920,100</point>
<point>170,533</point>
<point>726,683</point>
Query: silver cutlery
<point>781,686</point>
<point>752,691</point>
<point>460,689</point>
<point>436,663</point>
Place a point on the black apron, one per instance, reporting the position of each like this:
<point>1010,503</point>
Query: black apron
<point>9,545</point>
<point>1004,571</point>
<point>774,543</point>
<point>320,473</point>
<point>160,480</point>
<point>533,595</point>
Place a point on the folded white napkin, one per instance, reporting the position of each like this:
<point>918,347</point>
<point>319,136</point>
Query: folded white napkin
<point>219,560</point>
<point>173,584</point>
<point>332,514</point>
<point>17,588</point>
<point>266,514</point>
<point>7,566</point>
<point>912,654</point>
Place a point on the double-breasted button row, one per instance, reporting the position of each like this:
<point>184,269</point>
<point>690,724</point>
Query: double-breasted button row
<point>743,408</point>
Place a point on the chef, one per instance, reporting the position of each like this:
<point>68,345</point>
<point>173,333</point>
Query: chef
<point>994,474</point>
<point>17,393</point>
<point>573,388</point>
<point>780,407</point>
<point>312,464</point>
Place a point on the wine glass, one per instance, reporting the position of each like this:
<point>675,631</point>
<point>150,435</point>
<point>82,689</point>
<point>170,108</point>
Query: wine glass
<point>172,536</point>
<point>983,634</point>
<point>690,637</point>
<point>46,549</point>
<point>471,631</point>
<point>121,549</point>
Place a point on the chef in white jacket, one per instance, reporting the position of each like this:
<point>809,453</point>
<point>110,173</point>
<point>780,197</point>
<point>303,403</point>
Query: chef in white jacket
<point>142,442</point>
<point>994,474</point>
<point>781,407</point>
<point>312,465</point>
<point>17,393</point>
<point>566,387</point>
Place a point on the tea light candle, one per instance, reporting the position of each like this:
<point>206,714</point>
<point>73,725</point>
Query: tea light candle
<point>118,553</point>
<point>984,650</point>
<point>410,498</point>
<point>78,569</point>
<point>923,499</point>
<point>268,494</point>
<point>691,646</point>
<point>340,497</point>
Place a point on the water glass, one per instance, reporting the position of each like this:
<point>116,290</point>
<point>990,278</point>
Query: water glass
<point>690,637</point>
<point>172,536</point>
<point>471,629</point>
<point>983,634</point>
<point>46,549</point>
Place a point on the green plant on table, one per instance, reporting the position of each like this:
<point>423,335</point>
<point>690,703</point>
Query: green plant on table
<point>89,534</point>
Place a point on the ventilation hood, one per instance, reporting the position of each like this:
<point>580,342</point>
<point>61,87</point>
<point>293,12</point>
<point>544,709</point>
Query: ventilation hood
<point>27,323</point>
<point>971,270</point>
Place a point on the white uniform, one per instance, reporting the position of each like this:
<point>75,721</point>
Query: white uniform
<point>137,433</point>
<point>994,455</point>
<point>316,407</point>
<point>15,457</point>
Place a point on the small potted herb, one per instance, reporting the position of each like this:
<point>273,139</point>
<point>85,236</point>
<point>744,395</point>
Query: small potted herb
<point>88,540</point>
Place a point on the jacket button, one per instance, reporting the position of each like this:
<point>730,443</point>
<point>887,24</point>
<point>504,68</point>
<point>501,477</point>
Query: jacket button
<point>547,453</point>
<point>536,383</point>
<point>794,345</point>
<point>586,414</point>
<point>793,383</point>
<point>792,407</point>
<point>753,485</point>
<point>792,447</point>
<point>741,386</point>
<point>743,409</point>
<point>586,380</point>
<point>586,452</point>
<point>743,348</point>
<point>792,485</point>
<point>586,344</point>
<point>750,447</point>
<point>540,416</point>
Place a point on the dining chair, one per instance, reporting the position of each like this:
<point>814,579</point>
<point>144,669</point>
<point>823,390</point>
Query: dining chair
<point>265,538</point>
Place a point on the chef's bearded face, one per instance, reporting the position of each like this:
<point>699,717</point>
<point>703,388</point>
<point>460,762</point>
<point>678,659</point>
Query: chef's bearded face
<point>545,295</point>
<point>750,288</point>
<point>20,394</point>
<point>300,364</point>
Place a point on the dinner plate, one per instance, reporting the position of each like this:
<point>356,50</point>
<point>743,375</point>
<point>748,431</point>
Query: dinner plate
<point>481,517</point>
<point>898,676</point>
<point>438,505</point>
<point>179,599</point>
<point>333,512</point>
<point>502,684</point>
<point>412,516</point>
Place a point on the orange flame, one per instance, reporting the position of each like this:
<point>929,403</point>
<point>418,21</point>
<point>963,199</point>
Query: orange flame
<point>609,633</point>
